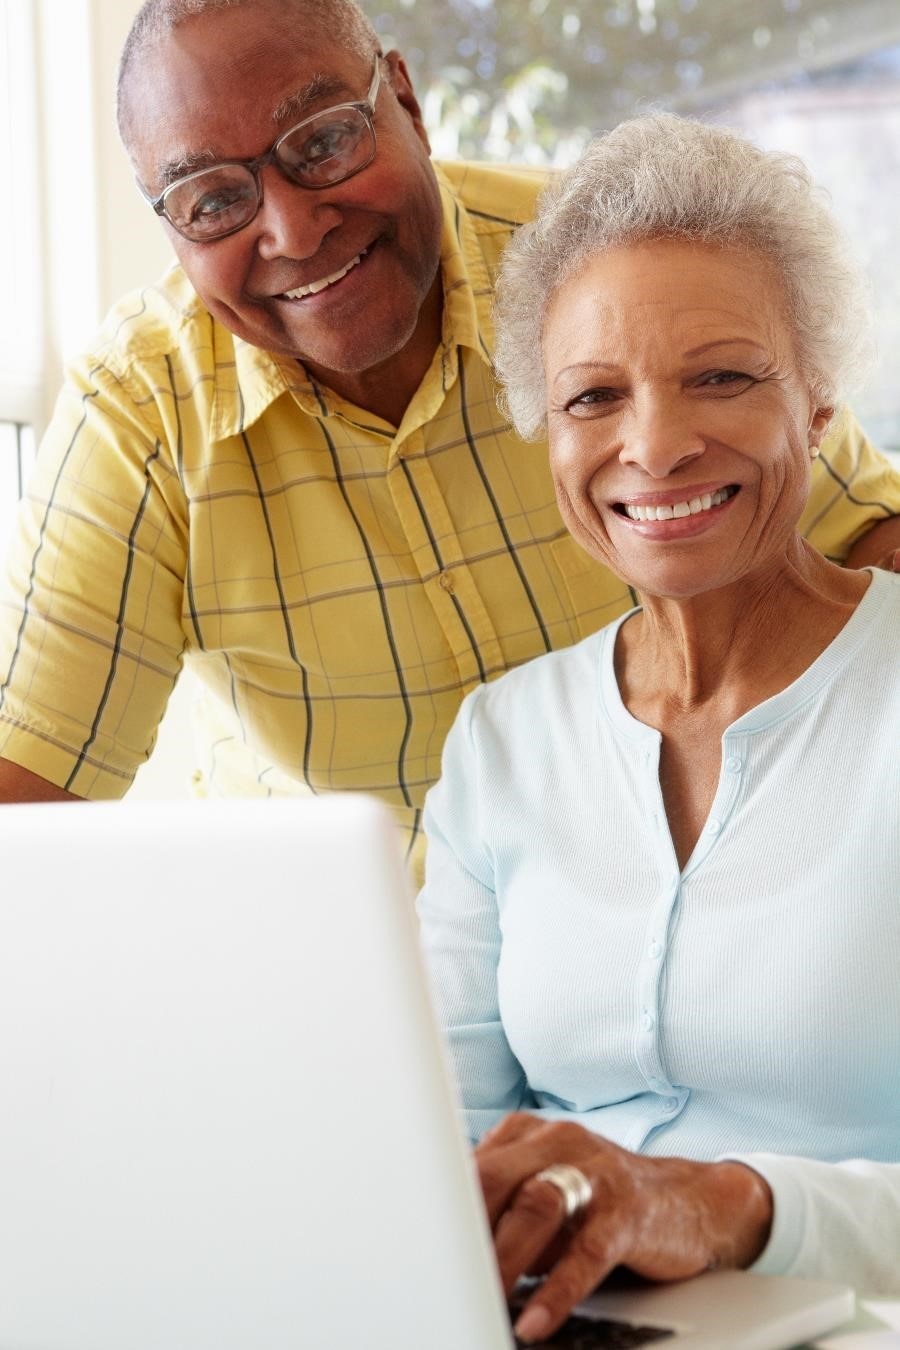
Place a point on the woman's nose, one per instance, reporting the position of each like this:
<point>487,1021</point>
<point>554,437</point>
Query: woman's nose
<point>659,437</point>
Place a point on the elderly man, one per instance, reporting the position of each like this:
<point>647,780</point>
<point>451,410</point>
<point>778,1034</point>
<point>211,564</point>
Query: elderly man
<point>283,464</point>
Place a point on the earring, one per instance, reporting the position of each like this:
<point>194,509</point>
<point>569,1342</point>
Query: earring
<point>813,452</point>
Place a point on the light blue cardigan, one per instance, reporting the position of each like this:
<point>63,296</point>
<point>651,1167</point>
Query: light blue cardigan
<point>748,1006</point>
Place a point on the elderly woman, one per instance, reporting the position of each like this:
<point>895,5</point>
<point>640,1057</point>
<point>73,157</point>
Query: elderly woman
<point>641,947</point>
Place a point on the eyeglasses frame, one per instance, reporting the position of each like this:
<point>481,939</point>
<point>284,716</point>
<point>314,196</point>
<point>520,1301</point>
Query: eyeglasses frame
<point>365,107</point>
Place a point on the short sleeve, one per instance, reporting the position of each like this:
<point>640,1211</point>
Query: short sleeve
<point>91,635</point>
<point>853,487</point>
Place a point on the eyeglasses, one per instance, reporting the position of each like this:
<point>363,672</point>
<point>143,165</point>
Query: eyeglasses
<point>318,152</point>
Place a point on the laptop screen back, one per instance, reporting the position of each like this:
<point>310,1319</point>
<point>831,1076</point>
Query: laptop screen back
<point>227,1120</point>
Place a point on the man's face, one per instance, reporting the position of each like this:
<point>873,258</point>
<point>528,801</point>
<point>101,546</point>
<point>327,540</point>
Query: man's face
<point>224,86</point>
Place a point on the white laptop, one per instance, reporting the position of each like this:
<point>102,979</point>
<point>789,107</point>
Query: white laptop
<point>226,1119</point>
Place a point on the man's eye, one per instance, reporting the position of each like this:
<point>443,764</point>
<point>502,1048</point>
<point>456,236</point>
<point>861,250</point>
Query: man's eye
<point>222,201</point>
<point>214,203</point>
<point>329,141</point>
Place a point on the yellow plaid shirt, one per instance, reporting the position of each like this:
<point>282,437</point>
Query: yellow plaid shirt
<point>339,584</point>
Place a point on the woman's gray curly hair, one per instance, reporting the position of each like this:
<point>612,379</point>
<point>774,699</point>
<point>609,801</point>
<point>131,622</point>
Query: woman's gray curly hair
<point>662,176</point>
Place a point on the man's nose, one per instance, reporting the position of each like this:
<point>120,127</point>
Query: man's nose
<point>660,436</point>
<point>292,221</point>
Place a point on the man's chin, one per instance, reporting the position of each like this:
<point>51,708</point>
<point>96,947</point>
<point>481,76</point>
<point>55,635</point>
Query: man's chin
<point>353,355</point>
<point>355,345</point>
<point>319,358</point>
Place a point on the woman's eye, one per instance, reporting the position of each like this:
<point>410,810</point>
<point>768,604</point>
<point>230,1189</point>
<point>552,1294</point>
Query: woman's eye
<point>591,398</point>
<point>720,378</point>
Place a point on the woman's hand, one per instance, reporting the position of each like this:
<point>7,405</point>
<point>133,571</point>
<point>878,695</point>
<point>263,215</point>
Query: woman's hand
<point>664,1218</point>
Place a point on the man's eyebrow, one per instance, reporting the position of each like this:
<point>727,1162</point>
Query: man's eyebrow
<point>173,169</point>
<point>321,87</point>
<point>294,108</point>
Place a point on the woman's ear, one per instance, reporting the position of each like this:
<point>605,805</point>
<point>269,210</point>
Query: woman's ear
<point>818,425</point>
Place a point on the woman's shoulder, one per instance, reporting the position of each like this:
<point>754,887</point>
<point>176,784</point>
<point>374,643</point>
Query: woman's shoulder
<point>873,632</point>
<point>554,682</point>
<point>876,660</point>
<point>883,601</point>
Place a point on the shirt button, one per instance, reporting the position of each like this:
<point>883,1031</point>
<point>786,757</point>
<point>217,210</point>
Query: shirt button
<point>654,950</point>
<point>445,581</point>
<point>647,1021</point>
<point>714,827</point>
<point>670,1104</point>
<point>734,764</point>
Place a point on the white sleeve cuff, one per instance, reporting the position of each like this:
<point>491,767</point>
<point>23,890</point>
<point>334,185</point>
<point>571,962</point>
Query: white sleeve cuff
<point>781,1252</point>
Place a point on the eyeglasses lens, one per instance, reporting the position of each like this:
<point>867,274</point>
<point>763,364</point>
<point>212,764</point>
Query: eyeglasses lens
<point>213,203</point>
<point>317,153</point>
<point>327,149</point>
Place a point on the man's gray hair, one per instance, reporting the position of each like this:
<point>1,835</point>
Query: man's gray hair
<point>662,176</point>
<point>344,23</point>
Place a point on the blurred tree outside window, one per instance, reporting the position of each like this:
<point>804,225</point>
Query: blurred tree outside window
<point>531,80</point>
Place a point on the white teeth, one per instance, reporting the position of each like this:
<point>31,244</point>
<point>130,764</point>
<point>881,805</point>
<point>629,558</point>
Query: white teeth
<point>678,510</point>
<point>316,286</point>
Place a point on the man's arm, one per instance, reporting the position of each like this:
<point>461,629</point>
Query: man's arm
<point>21,785</point>
<point>91,634</point>
<point>853,512</point>
<point>878,547</point>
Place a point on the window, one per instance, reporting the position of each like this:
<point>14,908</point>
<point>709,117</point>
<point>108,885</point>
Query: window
<point>532,80</point>
<point>21,305</point>
<point>844,121</point>
<point>16,460</point>
<point>20,295</point>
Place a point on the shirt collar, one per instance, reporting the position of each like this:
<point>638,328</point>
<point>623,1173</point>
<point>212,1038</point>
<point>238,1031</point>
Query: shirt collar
<point>468,293</point>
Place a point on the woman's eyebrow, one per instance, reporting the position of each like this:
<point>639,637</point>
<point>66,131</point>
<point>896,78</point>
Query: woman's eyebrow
<point>735,341</point>
<point>578,366</point>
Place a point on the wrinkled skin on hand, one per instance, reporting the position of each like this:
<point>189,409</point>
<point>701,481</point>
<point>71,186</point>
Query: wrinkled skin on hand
<point>663,1218</point>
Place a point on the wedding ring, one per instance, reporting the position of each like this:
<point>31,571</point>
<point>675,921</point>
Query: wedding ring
<point>572,1185</point>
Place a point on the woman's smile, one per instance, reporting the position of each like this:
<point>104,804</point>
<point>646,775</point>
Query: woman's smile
<point>699,504</point>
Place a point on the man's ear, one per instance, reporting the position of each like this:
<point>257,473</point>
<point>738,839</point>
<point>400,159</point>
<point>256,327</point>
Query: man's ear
<point>402,86</point>
<point>818,425</point>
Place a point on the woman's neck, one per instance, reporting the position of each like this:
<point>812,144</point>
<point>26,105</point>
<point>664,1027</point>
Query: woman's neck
<point>734,647</point>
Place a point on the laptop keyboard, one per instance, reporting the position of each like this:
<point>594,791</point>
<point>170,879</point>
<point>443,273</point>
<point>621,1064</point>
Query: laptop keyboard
<point>588,1333</point>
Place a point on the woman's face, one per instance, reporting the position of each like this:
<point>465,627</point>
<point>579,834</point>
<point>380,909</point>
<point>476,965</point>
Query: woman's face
<point>673,391</point>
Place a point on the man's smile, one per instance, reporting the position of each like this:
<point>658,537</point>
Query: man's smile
<point>320,284</point>
<point>326,280</point>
